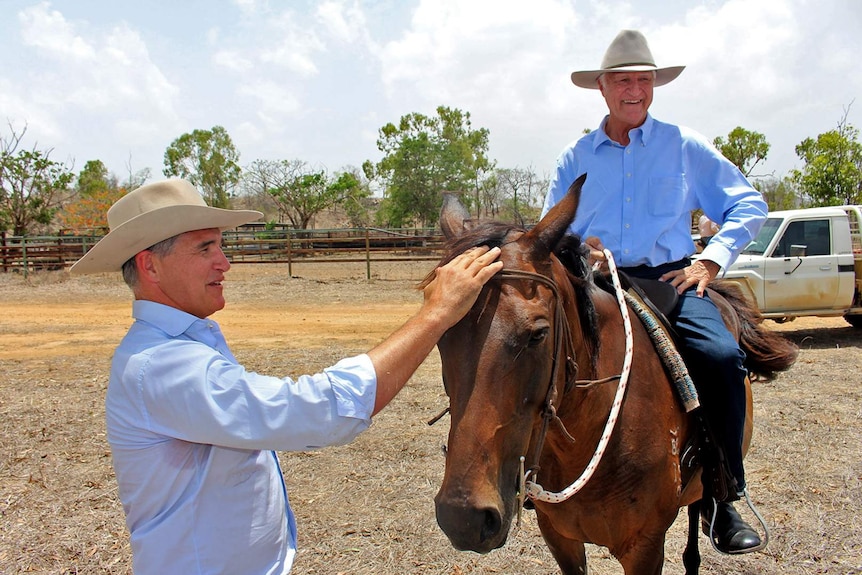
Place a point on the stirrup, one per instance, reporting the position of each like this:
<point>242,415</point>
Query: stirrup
<point>764,541</point>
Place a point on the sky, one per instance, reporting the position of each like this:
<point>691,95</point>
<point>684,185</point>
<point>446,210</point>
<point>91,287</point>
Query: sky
<point>118,81</point>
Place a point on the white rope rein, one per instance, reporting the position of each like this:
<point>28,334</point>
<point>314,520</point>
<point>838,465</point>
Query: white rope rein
<point>535,491</point>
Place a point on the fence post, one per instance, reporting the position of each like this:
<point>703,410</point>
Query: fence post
<point>289,254</point>
<point>61,254</point>
<point>367,256</point>
<point>24,255</point>
<point>5,253</point>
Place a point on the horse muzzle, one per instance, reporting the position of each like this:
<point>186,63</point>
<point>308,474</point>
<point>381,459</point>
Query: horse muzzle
<point>474,526</point>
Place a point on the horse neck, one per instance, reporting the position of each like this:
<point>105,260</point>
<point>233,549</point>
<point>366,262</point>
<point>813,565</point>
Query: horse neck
<point>584,410</point>
<point>595,363</point>
<point>588,404</point>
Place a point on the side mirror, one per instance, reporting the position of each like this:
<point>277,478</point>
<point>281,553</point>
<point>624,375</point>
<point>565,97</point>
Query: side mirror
<point>798,251</point>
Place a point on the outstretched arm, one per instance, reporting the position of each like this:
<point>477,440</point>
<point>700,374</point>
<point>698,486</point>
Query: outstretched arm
<point>447,299</point>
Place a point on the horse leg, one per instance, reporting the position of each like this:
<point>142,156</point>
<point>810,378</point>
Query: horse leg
<point>645,557</point>
<point>570,554</point>
<point>691,555</point>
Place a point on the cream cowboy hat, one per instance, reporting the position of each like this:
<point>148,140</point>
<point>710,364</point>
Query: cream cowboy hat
<point>153,213</point>
<point>629,52</point>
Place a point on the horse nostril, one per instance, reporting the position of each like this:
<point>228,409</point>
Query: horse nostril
<point>492,524</point>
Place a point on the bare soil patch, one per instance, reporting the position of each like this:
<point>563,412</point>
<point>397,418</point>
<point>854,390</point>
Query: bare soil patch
<point>367,507</point>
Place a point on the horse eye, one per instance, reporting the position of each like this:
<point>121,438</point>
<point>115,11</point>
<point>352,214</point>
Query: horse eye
<point>538,336</point>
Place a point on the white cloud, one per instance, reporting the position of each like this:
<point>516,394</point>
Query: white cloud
<point>88,84</point>
<point>342,22</point>
<point>248,6</point>
<point>48,30</point>
<point>316,81</point>
<point>295,45</point>
<point>475,52</point>
<point>271,101</point>
<point>232,60</point>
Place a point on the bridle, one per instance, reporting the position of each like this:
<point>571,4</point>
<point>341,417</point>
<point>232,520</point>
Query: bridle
<point>564,354</point>
<point>564,348</point>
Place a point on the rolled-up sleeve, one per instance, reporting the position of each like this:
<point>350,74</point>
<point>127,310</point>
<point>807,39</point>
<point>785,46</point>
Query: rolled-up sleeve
<point>350,379</point>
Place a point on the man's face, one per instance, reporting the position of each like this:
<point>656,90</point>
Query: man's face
<point>628,95</point>
<point>190,276</point>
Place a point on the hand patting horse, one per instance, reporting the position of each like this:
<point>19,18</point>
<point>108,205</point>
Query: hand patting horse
<point>509,369</point>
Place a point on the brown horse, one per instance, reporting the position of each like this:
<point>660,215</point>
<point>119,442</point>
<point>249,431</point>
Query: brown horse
<point>514,369</point>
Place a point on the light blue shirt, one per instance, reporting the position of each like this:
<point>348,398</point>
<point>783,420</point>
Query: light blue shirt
<point>192,433</point>
<point>638,199</point>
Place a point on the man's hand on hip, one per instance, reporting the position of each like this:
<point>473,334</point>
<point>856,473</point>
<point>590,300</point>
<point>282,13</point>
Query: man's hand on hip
<point>699,274</point>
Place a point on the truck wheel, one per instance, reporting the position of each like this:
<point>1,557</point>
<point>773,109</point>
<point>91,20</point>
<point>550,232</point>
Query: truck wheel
<point>854,320</point>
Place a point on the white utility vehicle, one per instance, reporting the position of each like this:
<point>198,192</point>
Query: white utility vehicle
<point>805,262</point>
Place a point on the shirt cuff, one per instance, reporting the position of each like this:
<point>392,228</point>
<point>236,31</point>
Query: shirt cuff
<point>718,253</point>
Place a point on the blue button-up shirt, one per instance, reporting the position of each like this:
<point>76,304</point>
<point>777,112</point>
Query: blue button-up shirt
<point>191,433</point>
<point>638,198</point>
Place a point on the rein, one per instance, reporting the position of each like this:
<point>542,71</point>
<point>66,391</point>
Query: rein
<point>528,487</point>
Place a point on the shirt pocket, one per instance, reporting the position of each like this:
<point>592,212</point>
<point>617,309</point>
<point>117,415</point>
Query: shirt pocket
<point>666,195</point>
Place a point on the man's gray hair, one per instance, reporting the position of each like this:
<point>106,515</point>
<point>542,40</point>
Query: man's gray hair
<point>130,268</point>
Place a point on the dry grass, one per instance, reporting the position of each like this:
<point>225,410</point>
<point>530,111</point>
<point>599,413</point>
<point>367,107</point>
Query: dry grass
<point>368,507</point>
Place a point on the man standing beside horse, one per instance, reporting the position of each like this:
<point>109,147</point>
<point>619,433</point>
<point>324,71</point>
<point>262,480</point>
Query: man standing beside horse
<point>644,178</point>
<point>192,432</point>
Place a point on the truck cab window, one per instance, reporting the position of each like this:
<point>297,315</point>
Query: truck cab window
<point>814,235</point>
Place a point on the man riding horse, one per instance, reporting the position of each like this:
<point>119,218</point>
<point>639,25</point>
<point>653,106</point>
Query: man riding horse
<point>644,178</point>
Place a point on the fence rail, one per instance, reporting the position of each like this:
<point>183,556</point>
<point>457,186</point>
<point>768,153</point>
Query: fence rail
<point>247,244</point>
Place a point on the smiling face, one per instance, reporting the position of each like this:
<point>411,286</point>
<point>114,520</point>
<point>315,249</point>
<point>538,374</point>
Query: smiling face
<point>628,96</point>
<point>190,276</point>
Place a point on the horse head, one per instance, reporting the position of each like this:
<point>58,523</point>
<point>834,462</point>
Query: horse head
<point>503,364</point>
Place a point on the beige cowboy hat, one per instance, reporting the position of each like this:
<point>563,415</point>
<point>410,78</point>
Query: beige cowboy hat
<point>153,213</point>
<point>629,52</point>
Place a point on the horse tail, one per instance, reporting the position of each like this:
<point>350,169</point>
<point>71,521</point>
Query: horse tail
<point>767,352</point>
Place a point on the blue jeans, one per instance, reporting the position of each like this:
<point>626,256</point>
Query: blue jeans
<point>715,363</point>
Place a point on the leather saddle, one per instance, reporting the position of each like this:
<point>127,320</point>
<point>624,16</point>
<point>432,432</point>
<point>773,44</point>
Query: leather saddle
<point>660,297</point>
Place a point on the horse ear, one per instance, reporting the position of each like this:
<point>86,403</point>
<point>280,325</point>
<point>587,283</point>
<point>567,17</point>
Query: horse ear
<point>553,226</point>
<point>454,217</point>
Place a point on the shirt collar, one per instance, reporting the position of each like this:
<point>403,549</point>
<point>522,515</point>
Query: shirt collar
<point>644,130</point>
<point>169,319</point>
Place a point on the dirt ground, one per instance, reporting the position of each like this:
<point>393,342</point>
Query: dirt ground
<point>367,507</point>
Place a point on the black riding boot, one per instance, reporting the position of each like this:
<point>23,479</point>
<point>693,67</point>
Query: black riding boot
<point>729,532</point>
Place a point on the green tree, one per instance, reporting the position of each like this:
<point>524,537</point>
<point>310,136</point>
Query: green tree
<point>96,190</point>
<point>745,149</point>
<point>209,160</point>
<point>94,179</point>
<point>424,157</point>
<point>779,194</point>
<point>32,186</point>
<point>300,192</point>
<point>832,174</point>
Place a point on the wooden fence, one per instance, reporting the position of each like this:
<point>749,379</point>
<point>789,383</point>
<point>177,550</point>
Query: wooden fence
<point>247,244</point>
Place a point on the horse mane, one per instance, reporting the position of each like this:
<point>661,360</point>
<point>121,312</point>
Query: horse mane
<point>573,253</point>
<point>570,252</point>
<point>491,234</point>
